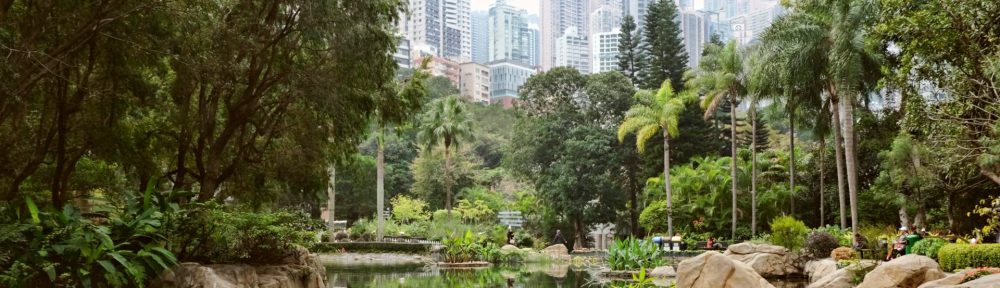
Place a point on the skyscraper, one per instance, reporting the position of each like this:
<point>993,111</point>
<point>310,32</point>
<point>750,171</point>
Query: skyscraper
<point>509,35</point>
<point>638,8</point>
<point>445,25</point>
<point>694,35</point>
<point>506,77</point>
<point>556,17</point>
<point>572,50</point>
<point>604,52</point>
<point>480,37</point>
<point>606,16</point>
<point>474,82</point>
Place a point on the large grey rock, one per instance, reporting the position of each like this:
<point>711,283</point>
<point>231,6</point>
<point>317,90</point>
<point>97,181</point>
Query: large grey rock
<point>557,252</point>
<point>714,270</point>
<point>767,260</point>
<point>818,269</point>
<point>841,278</point>
<point>947,281</point>
<point>194,275</point>
<point>509,247</point>
<point>992,281</point>
<point>955,281</point>
<point>909,271</point>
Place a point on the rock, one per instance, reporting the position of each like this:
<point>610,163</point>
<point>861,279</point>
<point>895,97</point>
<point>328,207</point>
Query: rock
<point>840,278</point>
<point>767,260</point>
<point>363,260</point>
<point>991,281</point>
<point>817,269</point>
<point>663,272</point>
<point>556,250</point>
<point>509,247</point>
<point>947,281</point>
<point>909,271</point>
<point>711,269</point>
<point>194,275</point>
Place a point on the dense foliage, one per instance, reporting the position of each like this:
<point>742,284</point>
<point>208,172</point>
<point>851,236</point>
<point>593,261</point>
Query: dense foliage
<point>929,247</point>
<point>634,254</point>
<point>954,257</point>
<point>820,244</point>
<point>788,232</point>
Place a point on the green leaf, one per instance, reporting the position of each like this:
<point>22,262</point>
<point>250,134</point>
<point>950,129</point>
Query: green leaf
<point>33,209</point>
<point>50,270</point>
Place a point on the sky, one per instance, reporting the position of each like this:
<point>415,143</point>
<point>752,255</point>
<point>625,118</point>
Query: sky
<point>484,5</point>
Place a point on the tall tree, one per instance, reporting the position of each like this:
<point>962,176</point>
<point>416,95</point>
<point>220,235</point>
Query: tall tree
<point>720,77</point>
<point>655,112</point>
<point>663,47</point>
<point>447,123</point>
<point>629,50</point>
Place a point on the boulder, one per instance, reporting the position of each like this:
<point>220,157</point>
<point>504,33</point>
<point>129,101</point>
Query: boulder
<point>194,275</point>
<point>840,278</point>
<point>991,281</point>
<point>711,269</point>
<point>509,247</point>
<point>767,260</point>
<point>556,250</point>
<point>947,281</point>
<point>663,272</point>
<point>909,271</point>
<point>817,269</point>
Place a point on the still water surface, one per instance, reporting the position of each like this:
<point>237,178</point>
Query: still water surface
<point>528,276</point>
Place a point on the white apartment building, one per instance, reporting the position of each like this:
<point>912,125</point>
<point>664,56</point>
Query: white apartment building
<point>604,52</point>
<point>445,25</point>
<point>572,50</point>
<point>556,16</point>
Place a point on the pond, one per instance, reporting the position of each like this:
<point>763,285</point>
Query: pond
<point>526,275</point>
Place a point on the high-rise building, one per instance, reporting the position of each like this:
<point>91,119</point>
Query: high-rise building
<point>480,37</point>
<point>572,50</point>
<point>532,46</point>
<point>606,16</point>
<point>556,17</point>
<point>755,16</point>
<point>694,35</point>
<point>474,82</point>
<point>402,54</point>
<point>604,52</point>
<point>445,25</point>
<point>506,77</point>
<point>509,35</point>
<point>440,66</point>
<point>638,9</point>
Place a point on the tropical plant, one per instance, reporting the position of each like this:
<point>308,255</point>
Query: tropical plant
<point>721,79</point>
<point>407,210</point>
<point>445,122</point>
<point>462,248</point>
<point>655,112</point>
<point>929,247</point>
<point>632,254</point>
<point>788,232</point>
<point>114,248</point>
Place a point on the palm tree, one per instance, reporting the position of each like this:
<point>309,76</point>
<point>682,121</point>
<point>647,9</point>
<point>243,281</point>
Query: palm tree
<point>720,77</point>
<point>818,49</point>
<point>655,112</point>
<point>446,122</point>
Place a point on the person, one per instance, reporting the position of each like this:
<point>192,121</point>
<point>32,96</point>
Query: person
<point>558,239</point>
<point>675,242</point>
<point>859,241</point>
<point>510,235</point>
<point>898,248</point>
<point>711,243</point>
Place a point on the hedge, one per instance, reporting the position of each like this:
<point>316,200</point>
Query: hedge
<point>412,248</point>
<point>959,256</point>
<point>929,247</point>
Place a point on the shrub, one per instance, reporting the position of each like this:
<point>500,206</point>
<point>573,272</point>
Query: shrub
<point>979,273</point>
<point>214,234</point>
<point>442,215</point>
<point>959,256</point>
<point>820,244</point>
<point>651,217</point>
<point>842,253</point>
<point>929,247</point>
<point>632,254</point>
<point>788,232</point>
<point>407,210</point>
<point>368,247</point>
<point>523,239</point>
<point>463,248</point>
<point>843,236</point>
<point>117,246</point>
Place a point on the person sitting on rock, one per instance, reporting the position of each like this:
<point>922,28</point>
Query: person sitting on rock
<point>558,239</point>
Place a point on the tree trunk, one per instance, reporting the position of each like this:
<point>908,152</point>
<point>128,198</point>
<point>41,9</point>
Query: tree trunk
<point>904,219</point>
<point>822,182</point>
<point>666,182</point>
<point>447,178</point>
<point>578,234</point>
<point>952,227</point>
<point>380,188</point>
<point>331,201</point>
<point>753,170</point>
<point>732,165</point>
<point>838,141</point>
<point>791,159</point>
<point>634,209</point>
<point>847,113</point>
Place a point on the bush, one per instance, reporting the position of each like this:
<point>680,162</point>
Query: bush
<point>788,232</point>
<point>652,217</point>
<point>442,215</point>
<point>368,247</point>
<point>117,246</point>
<point>959,256</point>
<point>820,244</point>
<point>633,254</point>
<point>843,236</point>
<point>523,239</point>
<point>929,247</point>
<point>407,210</point>
<point>979,273</point>
<point>214,234</point>
<point>842,253</point>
